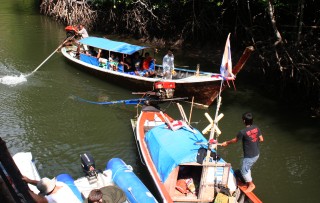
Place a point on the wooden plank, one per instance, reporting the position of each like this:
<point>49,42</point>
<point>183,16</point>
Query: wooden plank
<point>171,181</point>
<point>206,191</point>
<point>225,176</point>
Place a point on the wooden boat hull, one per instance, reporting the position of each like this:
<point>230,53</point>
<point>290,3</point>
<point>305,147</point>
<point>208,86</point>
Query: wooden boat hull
<point>139,134</point>
<point>203,88</point>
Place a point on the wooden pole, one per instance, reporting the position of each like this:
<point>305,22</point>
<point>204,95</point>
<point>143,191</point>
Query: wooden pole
<point>192,102</point>
<point>69,38</point>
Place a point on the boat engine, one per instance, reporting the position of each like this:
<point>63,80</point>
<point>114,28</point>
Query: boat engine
<point>71,31</point>
<point>88,165</point>
<point>164,90</point>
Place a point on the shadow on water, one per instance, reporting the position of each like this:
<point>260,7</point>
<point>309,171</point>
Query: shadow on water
<point>289,154</point>
<point>297,123</point>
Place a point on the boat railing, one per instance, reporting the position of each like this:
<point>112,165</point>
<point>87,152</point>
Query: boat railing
<point>186,70</point>
<point>180,73</point>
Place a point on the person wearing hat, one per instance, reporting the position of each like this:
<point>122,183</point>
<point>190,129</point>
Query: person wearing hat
<point>51,191</point>
<point>251,137</point>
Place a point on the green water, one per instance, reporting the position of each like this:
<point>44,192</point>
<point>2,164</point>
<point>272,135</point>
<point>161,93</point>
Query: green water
<point>41,115</point>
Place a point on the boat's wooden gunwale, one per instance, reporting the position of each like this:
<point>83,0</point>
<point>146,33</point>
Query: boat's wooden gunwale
<point>147,157</point>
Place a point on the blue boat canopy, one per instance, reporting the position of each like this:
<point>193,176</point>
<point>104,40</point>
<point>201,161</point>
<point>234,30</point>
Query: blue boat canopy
<point>115,46</point>
<point>162,143</point>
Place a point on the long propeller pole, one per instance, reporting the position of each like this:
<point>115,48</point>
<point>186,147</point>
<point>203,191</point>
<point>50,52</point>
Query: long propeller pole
<point>69,38</point>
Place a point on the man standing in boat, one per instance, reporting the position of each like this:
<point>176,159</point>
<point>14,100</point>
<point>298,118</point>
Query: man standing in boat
<point>168,65</point>
<point>83,34</point>
<point>82,31</point>
<point>250,136</point>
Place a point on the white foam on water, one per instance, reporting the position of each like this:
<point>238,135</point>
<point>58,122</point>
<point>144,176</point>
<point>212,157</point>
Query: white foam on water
<point>13,80</point>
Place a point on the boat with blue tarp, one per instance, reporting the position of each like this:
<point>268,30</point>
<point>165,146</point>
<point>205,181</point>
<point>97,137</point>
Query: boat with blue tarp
<point>192,83</point>
<point>182,162</point>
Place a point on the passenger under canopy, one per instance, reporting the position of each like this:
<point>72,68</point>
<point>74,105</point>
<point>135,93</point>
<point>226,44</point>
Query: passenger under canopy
<point>115,46</point>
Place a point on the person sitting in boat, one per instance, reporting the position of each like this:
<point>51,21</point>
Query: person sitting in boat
<point>102,57</point>
<point>113,61</point>
<point>147,61</point>
<point>168,64</point>
<point>102,54</point>
<point>51,191</point>
<point>127,64</point>
<point>109,193</point>
<point>148,65</point>
<point>136,61</point>
<point>113,57</point>
<point>137,64</point>
<point>92,51</point>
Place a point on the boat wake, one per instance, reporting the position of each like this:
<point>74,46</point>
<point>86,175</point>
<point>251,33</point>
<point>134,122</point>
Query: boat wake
<point>13,80</point>
<point>10,76</point>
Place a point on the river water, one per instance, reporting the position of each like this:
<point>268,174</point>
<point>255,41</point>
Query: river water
<point>40,114</point>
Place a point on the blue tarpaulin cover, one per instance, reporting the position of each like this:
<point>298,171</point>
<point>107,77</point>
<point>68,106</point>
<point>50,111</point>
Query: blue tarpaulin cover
<point>89,59</point>
<point>110,45</point>
<point>170,148</point>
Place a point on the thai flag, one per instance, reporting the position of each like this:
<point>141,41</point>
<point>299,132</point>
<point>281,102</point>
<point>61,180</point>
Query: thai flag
<point>226,64</point>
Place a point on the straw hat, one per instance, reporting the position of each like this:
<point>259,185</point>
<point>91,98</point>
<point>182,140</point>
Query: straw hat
<point>46,185</point>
